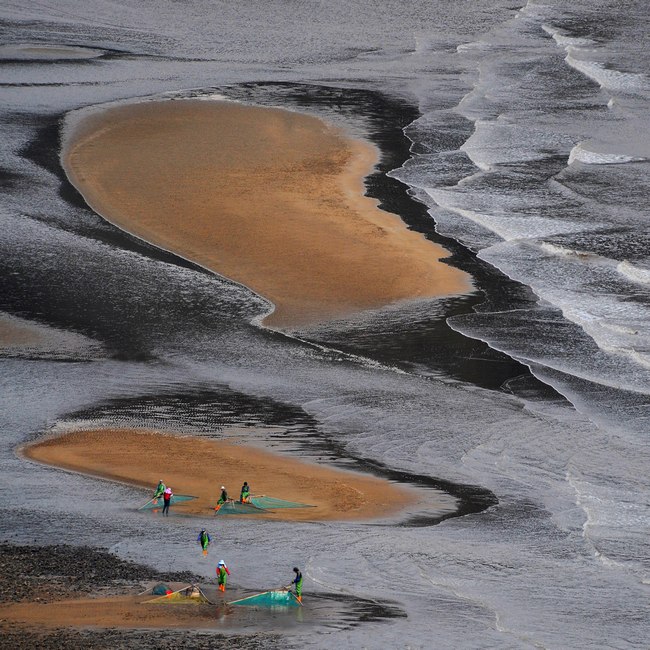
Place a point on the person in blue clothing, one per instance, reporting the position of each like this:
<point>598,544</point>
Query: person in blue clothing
<point>297,581</point>
<point>245,495</point>
<point>204,540</point>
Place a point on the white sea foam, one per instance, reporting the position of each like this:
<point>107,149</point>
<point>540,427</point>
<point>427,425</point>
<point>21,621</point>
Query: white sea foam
<point>503,141</point>
<point>640,357</point>
<point>610,336</point>
<point>607,78</point>
<point>555,249</point>
<point>213,97</point>
<point>474,46</point>
<point>571,280</point>
<point>581,154</point>
<point>507,225</point>
<point>614,337</point>
<point>564,40</point>
<point>634,272</point>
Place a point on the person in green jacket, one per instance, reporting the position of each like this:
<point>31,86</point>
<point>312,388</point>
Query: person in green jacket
<point>159,490</point>
<point>297,581</point>
<point>222,575</point>
<point>204,540</point>
<point>245,495</point>
<point>223,497</point>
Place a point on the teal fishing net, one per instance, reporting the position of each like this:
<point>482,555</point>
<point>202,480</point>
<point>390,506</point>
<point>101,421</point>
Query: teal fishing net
<point>238,508</point>
<point>257,506</point>
<point>276,598</point>
<point>158,503</point>
<point>271,503</point>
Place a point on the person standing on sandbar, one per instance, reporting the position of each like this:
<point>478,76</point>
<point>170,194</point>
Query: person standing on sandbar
<point>245,495</point>
<point>222,498</point>
<point>159,490</point>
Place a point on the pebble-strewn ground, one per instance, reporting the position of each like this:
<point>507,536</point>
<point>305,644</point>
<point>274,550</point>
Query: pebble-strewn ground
<point>17,639</point>
<point>49,573</point>
<point>45,573</point>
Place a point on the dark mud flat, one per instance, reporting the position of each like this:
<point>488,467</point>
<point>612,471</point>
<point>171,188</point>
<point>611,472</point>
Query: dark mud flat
<point>18,639</point>
<point>49,573</point>
<point>44,574</point>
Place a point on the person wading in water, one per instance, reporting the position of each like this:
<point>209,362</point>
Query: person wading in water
<point>204,540</point>
<point>297,581</point>
<point>222,575</point>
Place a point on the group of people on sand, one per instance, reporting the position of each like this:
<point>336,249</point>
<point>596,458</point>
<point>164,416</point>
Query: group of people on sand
<point>244,495</point>
<point>204,538</point>
<point>165,492</point>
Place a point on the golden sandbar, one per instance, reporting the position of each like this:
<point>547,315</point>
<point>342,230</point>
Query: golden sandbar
<point>199,467</point>
<point>270,198</point>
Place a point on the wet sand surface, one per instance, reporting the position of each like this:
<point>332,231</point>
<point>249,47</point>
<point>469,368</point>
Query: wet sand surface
<point>58,597</point>
<point>270,198</point>
<point>199,467</point>
<point>15,333</point>
<point>123,611</point>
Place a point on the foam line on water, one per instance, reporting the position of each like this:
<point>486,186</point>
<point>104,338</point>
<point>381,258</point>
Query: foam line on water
<point>638,274</point>
<point>607,78</point>
<point>580,153</point>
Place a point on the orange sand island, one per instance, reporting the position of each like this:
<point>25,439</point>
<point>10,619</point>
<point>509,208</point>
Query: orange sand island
<point>197,466</point>
<point>270,198</point>
<point>117,611</point>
